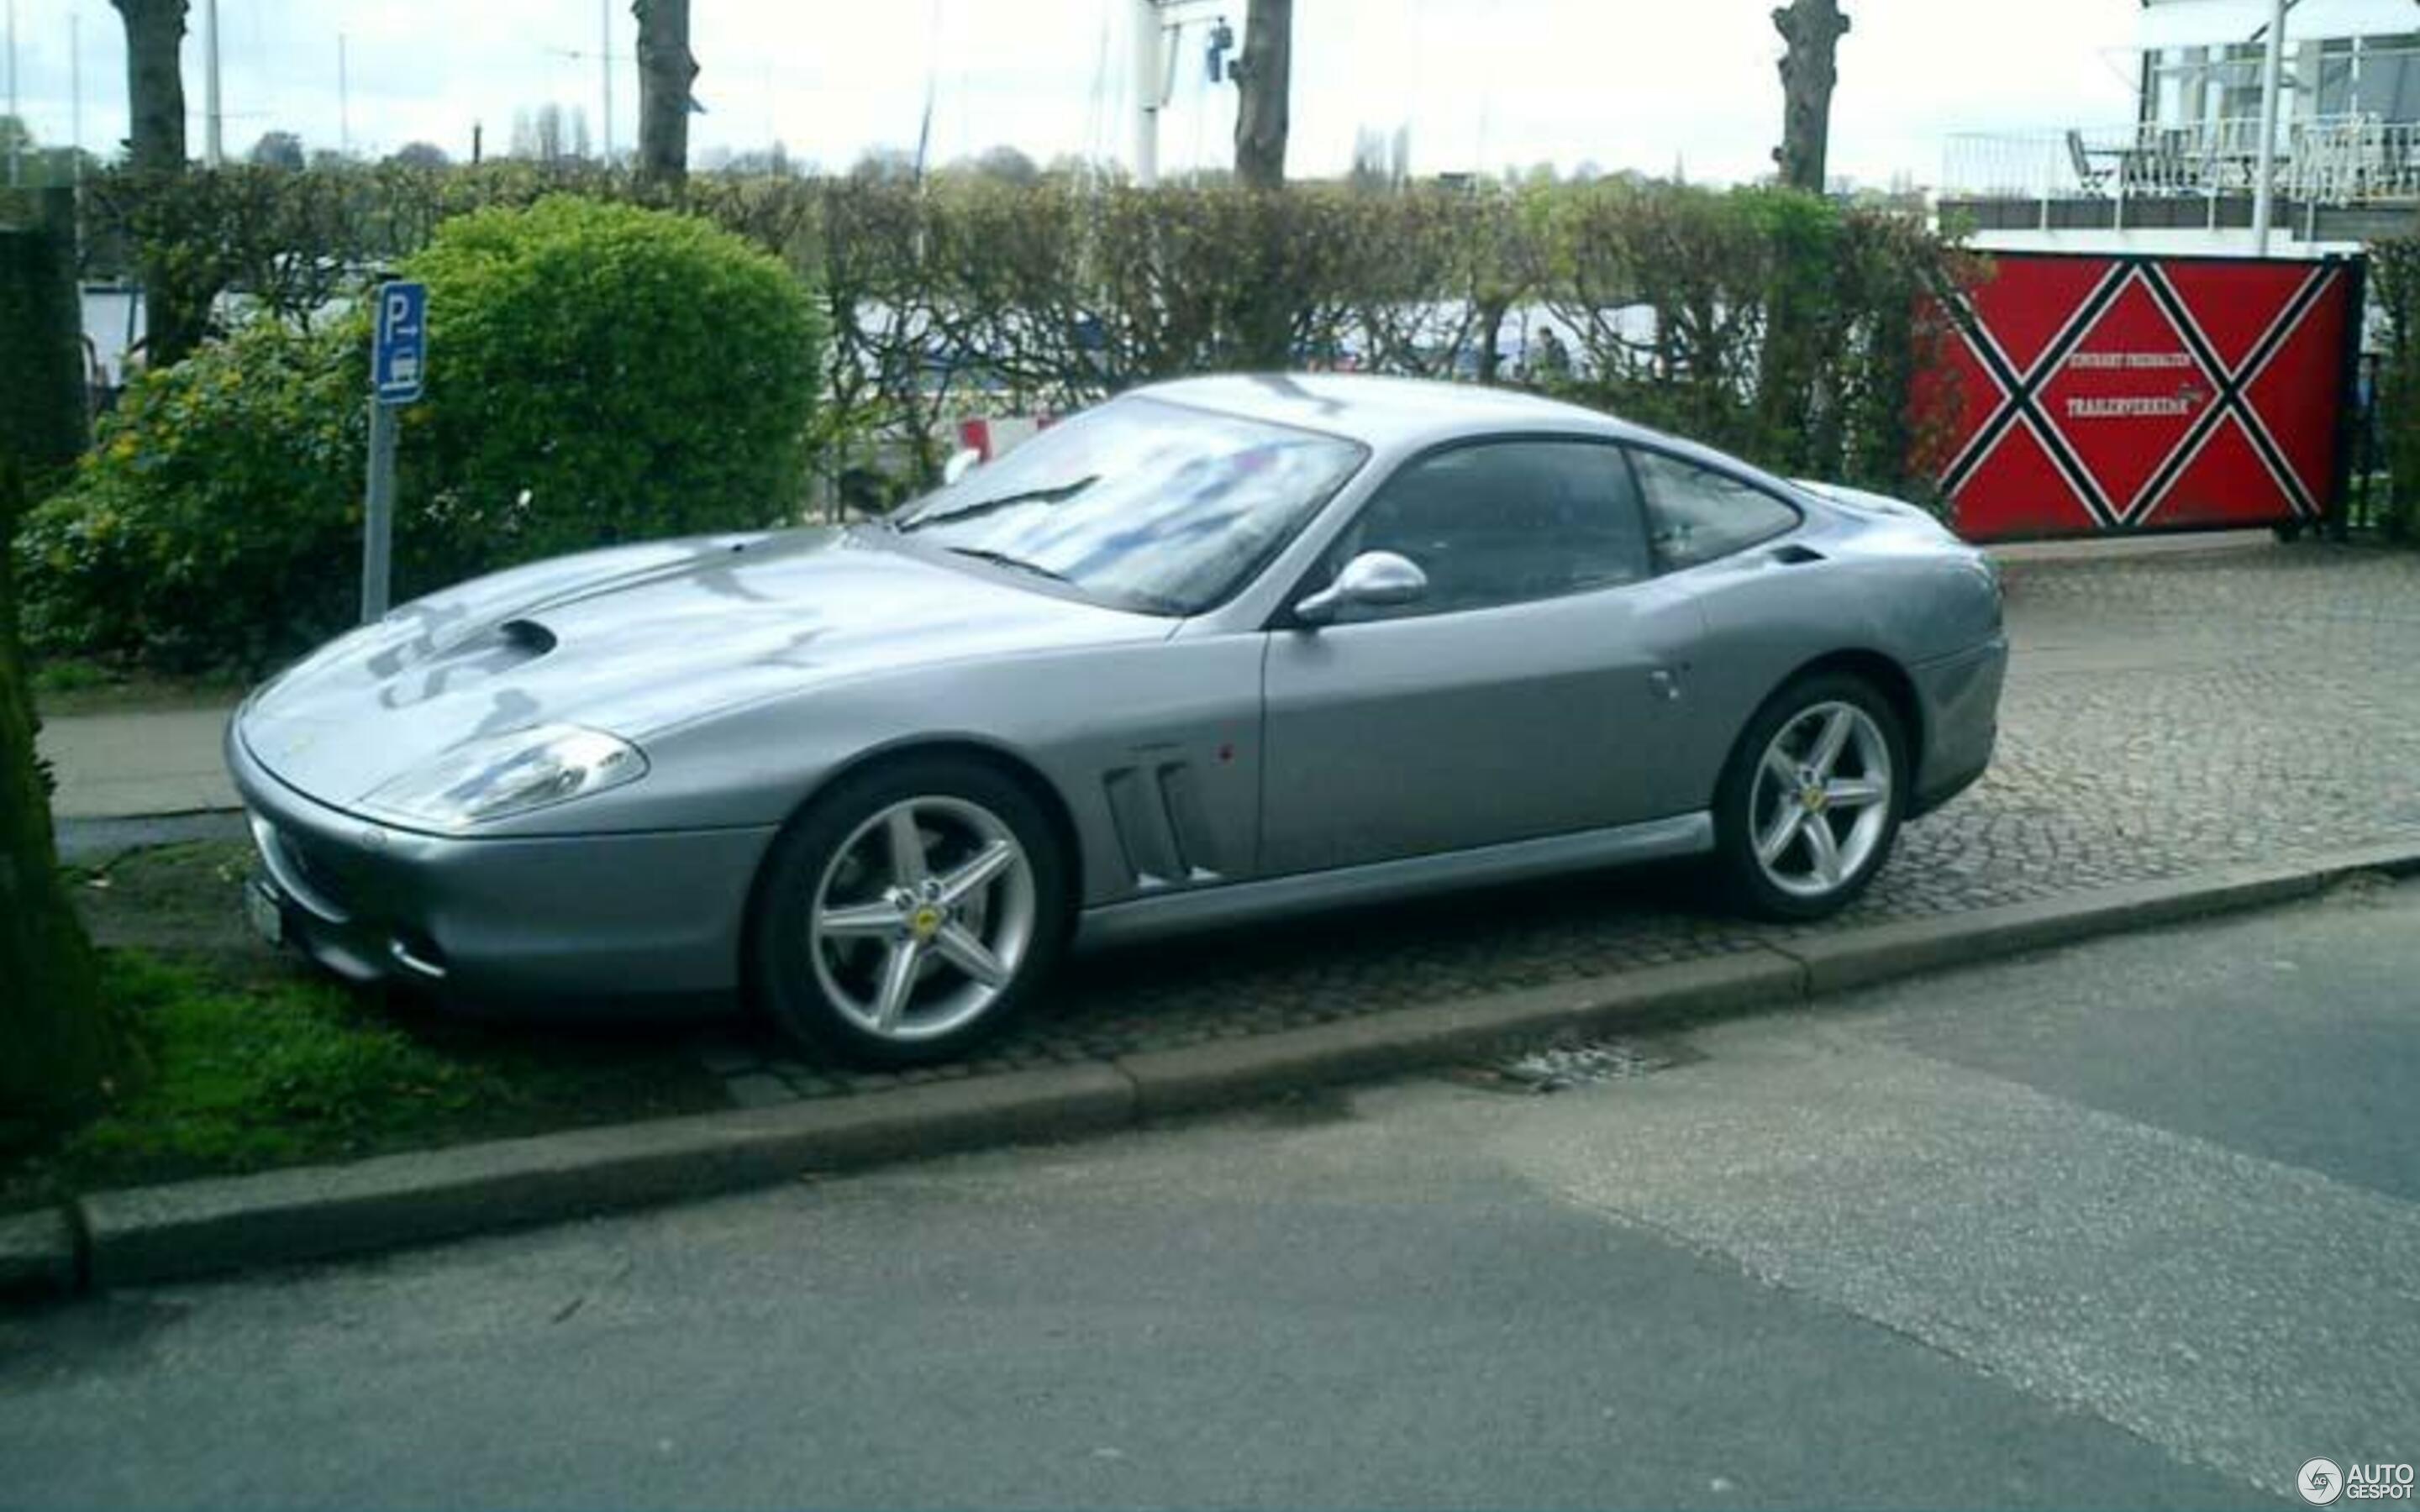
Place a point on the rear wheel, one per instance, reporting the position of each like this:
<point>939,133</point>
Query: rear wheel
<point>1810,802</point>
<point>906,915</point>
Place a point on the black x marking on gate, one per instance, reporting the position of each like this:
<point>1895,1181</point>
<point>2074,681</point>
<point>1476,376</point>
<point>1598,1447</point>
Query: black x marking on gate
<point>2021,390</point>
<point>2232,386</point>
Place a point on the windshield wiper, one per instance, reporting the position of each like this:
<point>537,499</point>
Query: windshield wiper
<point>1002,559</point>
<point>1056,494</point>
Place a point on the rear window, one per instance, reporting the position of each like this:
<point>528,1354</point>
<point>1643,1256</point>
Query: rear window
<point>1696,514</point>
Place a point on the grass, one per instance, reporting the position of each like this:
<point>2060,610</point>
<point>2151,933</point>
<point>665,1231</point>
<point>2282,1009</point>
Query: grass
<point>245,1077</point>
<point>258,1061</point>
<point>65,687</point>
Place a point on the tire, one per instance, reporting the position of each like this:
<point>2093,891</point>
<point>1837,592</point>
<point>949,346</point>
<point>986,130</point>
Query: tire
<point>1753,801</point>
<point>980,915</point>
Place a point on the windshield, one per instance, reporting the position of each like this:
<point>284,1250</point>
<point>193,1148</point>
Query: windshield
<point>1145,504</point>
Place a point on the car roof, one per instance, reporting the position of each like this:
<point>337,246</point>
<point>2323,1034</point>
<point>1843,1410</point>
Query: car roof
<point>1385,413</point>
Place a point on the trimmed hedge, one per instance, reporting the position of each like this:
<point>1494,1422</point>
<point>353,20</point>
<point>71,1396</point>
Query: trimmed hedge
<point>1051,293</point>
<point>1785,328</point>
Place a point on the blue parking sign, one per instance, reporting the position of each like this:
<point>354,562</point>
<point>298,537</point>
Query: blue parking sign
<point>399,350</point>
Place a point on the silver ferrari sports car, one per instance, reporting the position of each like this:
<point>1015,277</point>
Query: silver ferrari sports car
<point>1216,651</point>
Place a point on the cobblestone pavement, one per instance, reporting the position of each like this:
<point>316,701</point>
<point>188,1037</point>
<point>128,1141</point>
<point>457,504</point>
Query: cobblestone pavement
<point>2167,712</point>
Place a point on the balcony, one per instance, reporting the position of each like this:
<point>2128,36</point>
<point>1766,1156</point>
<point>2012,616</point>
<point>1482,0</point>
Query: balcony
<point>2338,178</point>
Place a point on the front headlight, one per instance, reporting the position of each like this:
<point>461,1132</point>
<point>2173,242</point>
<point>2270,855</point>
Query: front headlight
<point>503,776</point>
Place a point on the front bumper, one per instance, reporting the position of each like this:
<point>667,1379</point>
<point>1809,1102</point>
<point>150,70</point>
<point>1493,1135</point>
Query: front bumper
<point>624,916</point>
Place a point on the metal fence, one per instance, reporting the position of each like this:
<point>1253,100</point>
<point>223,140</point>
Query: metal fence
<point>2346,160</point>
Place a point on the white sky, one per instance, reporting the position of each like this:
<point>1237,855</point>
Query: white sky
<point>1626,83</point>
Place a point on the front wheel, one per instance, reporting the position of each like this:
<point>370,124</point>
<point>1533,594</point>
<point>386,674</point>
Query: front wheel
<point>907,914</point>
<point>1810,801</point>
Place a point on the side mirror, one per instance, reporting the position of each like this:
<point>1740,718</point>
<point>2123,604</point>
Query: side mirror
<point>1374,579</point>
<point>962,461</point>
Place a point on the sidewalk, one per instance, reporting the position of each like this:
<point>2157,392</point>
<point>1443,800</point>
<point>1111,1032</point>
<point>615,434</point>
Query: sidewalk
<point>125,765</point>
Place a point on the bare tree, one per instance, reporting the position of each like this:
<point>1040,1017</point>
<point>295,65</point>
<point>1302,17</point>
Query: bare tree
<point>1008,165</point>
<point>277,149</point>
<point>1812,29</point>
<point>1381,160</point>
<point>667,71</point>
<point>1263,75</point>
<point>546,138</point>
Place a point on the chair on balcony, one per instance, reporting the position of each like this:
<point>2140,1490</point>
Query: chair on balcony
<point>2159,163</point>
<point>2091,175</point>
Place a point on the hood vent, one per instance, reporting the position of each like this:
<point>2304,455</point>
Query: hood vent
<point>527,637</point>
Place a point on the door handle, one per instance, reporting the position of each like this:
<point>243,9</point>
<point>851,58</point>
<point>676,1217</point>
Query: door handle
<point>1665,683</point>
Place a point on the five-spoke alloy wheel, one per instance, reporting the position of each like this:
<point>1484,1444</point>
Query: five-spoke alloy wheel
<point>903,915</point>
<point>1812,798</point>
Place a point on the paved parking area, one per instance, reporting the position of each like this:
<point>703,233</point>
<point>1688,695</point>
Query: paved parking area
<point>2169,711</point>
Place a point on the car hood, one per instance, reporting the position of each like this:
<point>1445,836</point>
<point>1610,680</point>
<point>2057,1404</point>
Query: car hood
<point>638,640</point>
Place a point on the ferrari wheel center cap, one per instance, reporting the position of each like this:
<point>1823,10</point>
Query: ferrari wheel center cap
<point>926,921</point>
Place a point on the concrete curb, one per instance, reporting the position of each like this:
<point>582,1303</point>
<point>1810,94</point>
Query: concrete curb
<point>1839,962</point>
<point>312,1212</point>
<point>198,1227</point>
<point>1197,1078</point>
<point>38,1256</point>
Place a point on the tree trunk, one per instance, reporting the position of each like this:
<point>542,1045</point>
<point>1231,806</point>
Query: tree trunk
<point>667,69</point>
<point>66,1055</point>
<point>43,401</point>
<point>173,316</point>
<point>155,86</point>
<point>1263,75</point>
<point>1812,29</point>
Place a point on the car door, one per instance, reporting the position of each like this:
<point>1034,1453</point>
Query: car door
<point>1528,692</point>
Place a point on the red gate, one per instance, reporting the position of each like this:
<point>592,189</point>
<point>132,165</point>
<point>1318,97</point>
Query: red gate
<point>2103,395</point>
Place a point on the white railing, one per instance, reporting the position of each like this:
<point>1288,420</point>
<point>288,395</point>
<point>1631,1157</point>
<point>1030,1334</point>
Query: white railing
<point>2346,160</point>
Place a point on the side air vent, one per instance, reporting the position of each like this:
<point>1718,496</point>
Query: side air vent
<point>1162,823</point>
<point>1189,823</point>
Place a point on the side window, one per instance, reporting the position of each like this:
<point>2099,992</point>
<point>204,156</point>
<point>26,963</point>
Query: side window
<point>1696,514</point>
<point>1503,522</point>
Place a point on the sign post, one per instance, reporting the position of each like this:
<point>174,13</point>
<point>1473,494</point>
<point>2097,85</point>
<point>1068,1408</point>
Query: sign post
<point>398,369</point>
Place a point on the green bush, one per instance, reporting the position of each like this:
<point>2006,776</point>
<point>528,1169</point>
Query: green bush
<point>217,522</point>
<point>598,373</point>
<point>602,373</point>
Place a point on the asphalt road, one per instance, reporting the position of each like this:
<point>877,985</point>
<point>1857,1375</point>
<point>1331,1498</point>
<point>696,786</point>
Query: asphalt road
<point>2133,1225</point>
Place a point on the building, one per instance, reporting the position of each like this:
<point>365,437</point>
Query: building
<point>2181,175</point>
